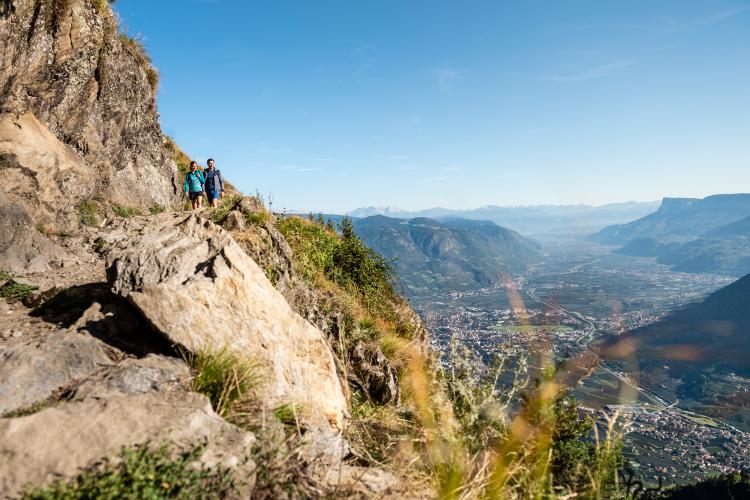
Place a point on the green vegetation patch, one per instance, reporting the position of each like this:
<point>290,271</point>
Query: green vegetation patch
<point>257,218</point>
<point>288,415</point>
<point>12,291</point>
<point>125,212</point>
<point>226,205</point>
<point>223,377</point>
<point>143,472</point>
<point>343,259</point>
<point>156,209</point>
<point>88,213</point>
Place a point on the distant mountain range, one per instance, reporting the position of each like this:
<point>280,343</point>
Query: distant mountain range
<point>530,220</point>
<point>690,234</point>
<point>453,254</point>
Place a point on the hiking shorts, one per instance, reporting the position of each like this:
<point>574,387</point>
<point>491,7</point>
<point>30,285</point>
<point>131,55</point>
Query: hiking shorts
<point>213,195</point>
<point>194,195</point>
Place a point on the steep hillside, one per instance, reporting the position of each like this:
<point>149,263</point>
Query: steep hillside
<point>454,254</point>
<point>728,255</point>
<point>678,220</point>
<point>78,119</point>
<point>724,250</point>
<point>713,334</point>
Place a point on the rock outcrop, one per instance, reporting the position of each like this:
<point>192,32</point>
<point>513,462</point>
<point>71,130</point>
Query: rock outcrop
<point>77,112</point>
<point>32,372</point>
<point>197,287</point>
<point>22,248</point>
<point>61,440</point>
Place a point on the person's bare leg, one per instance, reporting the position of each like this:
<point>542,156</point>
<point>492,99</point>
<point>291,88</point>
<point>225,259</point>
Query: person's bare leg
<point>200,202</point>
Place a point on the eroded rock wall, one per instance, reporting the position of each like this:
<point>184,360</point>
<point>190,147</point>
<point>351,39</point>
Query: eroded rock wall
<point>78,114</point>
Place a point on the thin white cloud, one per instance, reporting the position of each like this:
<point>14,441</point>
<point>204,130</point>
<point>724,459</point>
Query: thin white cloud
<point>590,74</point>
<point>307,169</point>
<point>453,168</point>
<point>397,157</point>
<point>720,16</point>
<point>446,79</point>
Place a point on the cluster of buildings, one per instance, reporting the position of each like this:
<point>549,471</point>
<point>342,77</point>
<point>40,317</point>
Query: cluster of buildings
<point>673,445</point>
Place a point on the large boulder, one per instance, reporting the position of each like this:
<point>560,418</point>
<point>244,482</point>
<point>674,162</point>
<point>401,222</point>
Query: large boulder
<point>197,287</point>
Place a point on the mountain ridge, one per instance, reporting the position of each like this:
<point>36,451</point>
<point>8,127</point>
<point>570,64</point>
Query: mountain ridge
<point>448,254</point>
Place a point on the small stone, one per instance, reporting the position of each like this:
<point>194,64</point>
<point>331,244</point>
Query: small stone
<point>17,333</point>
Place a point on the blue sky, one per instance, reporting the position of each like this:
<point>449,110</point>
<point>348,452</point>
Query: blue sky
<point>332,105</point>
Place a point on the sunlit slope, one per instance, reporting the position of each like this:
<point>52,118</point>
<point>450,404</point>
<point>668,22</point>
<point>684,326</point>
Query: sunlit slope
<point>710,335</point>
<point>679,220</point>
<point>457,254</point>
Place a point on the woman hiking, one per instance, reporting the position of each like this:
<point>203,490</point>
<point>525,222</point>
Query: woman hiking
<point>194,183</point>
<point>214,184</point>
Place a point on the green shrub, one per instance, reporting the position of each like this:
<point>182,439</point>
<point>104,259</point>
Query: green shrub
<point>725,486</point>
<point>88,213</point>
<point>222,376</point>
<point>15,292</point>
<point>257,218</point>
<point>343,259</point>
<point>125,212</point>
<point>156,209</point>
<point>143,472</point>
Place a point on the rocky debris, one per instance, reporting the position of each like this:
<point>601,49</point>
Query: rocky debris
<point>58,442</point>
<point>373,373</point>
<point>197,287</point>
<point>32,372</point>
<point>152,374</point>
<point>22,248</point>
<point>77,114</point>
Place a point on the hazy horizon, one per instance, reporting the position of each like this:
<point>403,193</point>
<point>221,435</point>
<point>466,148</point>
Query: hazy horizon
<point>334,106</point>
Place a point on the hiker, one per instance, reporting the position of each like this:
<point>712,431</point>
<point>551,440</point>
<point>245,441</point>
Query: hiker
<point>214,184</point>
<point>194,183</point>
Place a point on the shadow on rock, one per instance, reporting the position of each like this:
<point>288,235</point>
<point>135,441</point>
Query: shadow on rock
<point>95,309</point>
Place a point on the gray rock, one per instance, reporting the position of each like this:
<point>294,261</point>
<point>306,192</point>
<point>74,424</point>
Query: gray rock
<point>373,373</point>
<point>22,248</point>
<point>151,374</point>
<point>30,373</point>
<point>235,221</point>
<point>58,442</point>
<point>198,288</point>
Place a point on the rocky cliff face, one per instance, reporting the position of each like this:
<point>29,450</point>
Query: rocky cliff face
<point>77,112</point>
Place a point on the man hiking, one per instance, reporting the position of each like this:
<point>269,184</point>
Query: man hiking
<point>194,183</point>
<point>214,184</point>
